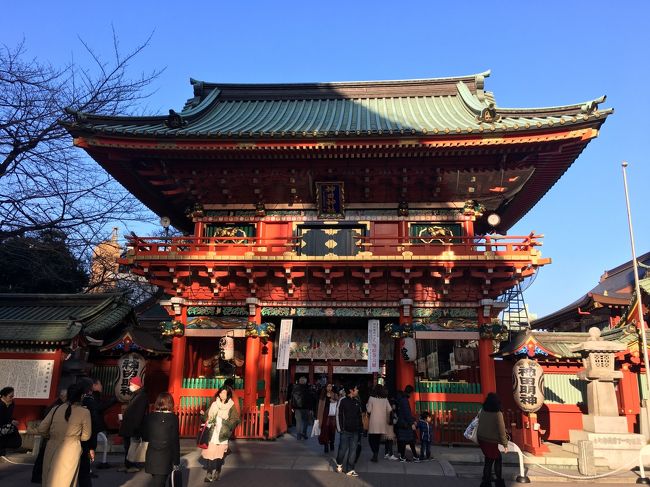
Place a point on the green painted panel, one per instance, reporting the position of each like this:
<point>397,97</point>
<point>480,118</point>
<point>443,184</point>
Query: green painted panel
<point>564,389</point>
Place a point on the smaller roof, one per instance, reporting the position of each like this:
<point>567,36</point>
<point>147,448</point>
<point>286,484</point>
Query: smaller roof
<point>551,344</point>
<point>614,289</point>
<point>59,318</point>
<point>134,340</point>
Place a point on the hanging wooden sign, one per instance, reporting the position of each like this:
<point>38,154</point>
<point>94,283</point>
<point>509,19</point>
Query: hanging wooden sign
<point>528,385</point>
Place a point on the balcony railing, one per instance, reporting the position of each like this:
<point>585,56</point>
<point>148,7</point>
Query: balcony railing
<point>216,248</point>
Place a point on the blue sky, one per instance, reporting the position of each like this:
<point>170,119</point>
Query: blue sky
<point>540,54</point>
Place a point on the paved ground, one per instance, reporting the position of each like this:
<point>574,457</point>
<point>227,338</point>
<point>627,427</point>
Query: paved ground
<point>289,462</point>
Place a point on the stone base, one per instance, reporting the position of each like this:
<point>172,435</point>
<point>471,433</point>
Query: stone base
<point>618,449</point>
<point>604,424</point>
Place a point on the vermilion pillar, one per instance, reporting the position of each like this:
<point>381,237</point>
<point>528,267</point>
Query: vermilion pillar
<point>251,368</point>
<point>267,361</point>
<point>486,363</point>
<point>404,371</point>
<point>177,368</point>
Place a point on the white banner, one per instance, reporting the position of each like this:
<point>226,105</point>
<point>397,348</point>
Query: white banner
<point>284,344</point>
<point>373,345</point>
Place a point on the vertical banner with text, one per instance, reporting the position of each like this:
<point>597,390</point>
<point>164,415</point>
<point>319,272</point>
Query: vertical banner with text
<point>373,345</point>
<point>284,344</point>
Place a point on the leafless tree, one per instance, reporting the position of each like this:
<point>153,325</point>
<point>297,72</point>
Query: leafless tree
<point>44,181</point>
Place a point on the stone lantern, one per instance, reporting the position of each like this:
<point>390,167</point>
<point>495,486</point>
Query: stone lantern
<point>603,428</point>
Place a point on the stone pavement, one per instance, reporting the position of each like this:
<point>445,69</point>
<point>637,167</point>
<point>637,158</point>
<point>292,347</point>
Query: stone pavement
<point>290,462</point>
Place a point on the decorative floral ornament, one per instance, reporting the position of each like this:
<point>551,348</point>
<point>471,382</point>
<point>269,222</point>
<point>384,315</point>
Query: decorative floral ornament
<point>196,211</point>
<point>399,331</point>
<point>259,330</point>
<point>473,207</point>
<point>170,329</point>
<point>494,330</point>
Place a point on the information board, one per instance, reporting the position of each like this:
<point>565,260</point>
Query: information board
<point>31,379</point>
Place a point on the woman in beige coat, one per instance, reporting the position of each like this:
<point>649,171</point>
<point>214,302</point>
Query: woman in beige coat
<point>66,426</point>
<point>379,409</point>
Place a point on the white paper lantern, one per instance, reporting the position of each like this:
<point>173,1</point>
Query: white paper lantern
<point>528,385</point>
<point>408,349</point>
<point>227,346</point>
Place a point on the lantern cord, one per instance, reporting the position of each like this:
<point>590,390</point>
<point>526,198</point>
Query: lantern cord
<point>627,467</point>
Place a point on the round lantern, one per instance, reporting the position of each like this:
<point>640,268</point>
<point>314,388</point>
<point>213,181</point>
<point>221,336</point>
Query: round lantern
<point>227,346</point>
<point>528,385</point>
<point>408,349</point>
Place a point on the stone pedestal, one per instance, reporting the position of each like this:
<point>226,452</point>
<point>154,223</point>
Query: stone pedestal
<point>603,428</point>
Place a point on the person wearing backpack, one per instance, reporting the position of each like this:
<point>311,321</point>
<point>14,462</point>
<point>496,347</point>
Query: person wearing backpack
<point>301,405</point>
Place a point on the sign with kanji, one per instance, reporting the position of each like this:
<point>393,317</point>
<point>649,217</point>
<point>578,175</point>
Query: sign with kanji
<point>130,365</point>
<point>373,346</point>
<point>284,344</point>
<point>528,385</point>
<point>31,379</point>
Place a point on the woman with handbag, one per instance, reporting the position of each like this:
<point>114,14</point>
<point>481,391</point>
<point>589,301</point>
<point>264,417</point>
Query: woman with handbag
<point>161,431</point>
<point>491,432</point>
<point>223,417</point>
<point>66,426</point>
<point>379,410</point>
<point>326,415</point>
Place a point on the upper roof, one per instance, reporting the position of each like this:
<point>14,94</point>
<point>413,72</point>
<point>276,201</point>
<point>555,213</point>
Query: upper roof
<point>58,318</point>
<point>614,288</point>
<point>456,105</point>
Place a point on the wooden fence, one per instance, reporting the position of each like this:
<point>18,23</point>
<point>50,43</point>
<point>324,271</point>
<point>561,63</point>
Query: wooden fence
<point>262,422</point>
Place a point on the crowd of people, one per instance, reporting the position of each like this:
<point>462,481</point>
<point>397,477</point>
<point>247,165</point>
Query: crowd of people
<point>386,419</point>
<point>72,424</point>
<point>344,410</point>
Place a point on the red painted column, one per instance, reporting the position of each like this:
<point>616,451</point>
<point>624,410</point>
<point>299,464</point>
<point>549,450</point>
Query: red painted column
<point>251,366</point>
<point>486,363</point>
<point>268,365</point>
<point>404,371</point>
<point>177,368</point>
<point>630,399</point>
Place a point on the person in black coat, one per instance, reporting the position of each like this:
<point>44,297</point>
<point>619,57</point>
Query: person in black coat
<point>132,420</point>
<point>406,426</point>
<point>164,450</point>
<point>9,436</point>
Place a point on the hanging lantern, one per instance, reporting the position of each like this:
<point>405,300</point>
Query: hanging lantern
<point>130,366</point>
<point>408,349</point>
<point>528,385</point>
<point>227,348</point>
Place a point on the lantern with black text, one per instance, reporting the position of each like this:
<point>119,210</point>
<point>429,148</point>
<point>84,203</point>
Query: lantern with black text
<point>227,346</point>
<point>528,385</point>
<point>408,349</point>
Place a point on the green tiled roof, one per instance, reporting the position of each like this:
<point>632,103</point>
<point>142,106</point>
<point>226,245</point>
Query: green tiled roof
<point>55,318</point>
<point>438,106</point>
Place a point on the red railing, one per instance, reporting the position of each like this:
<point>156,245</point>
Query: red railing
<point>449,425</point>
<point>263,422</point>
<point>379,246</point>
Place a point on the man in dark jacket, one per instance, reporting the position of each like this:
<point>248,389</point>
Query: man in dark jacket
<point>301,404</point>
<point>349,418</point>
<point>132,420</point>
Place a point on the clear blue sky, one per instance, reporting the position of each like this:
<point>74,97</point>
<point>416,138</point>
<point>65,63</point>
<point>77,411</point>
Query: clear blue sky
<point>540,54</point>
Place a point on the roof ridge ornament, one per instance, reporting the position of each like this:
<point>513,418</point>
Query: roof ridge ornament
<point>175,120</point>
<point>489,114</point>
<point>592,106</point>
